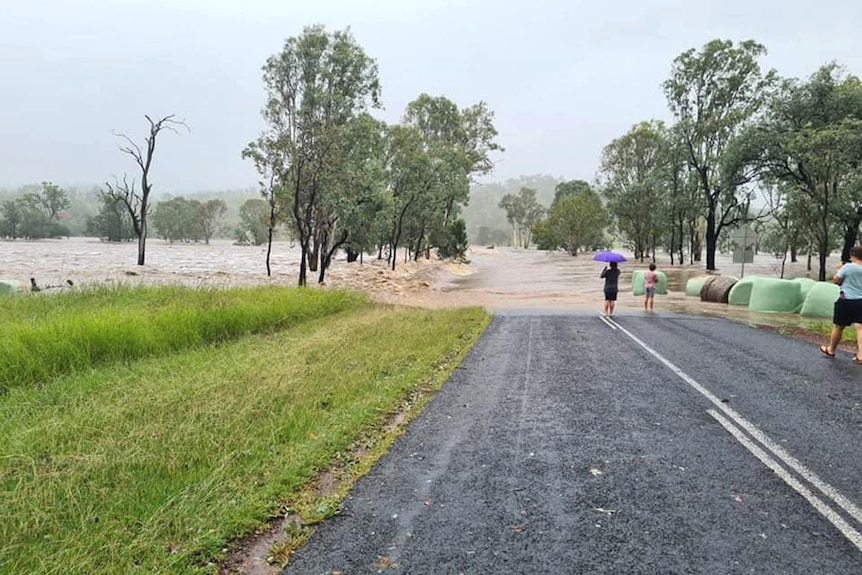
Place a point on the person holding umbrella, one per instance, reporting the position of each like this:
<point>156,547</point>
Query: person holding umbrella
<point>611,276</point>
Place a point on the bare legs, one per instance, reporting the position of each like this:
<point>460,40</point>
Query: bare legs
<point>835,338</point>
<point>609,307</point>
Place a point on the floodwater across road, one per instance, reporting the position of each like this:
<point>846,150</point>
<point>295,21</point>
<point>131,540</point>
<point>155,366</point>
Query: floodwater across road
<point>567,443</point>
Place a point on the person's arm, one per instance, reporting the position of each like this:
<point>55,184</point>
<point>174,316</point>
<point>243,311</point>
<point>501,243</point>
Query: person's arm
<point>604,272</point>
<point>838,278</point>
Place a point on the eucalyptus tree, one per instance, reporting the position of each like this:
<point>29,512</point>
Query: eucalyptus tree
<point>632,183</point>
<point>315,86</point>
<point>714,94</point>
<point>811,139</point>
<point>524,213</point>
<point>432,158</point>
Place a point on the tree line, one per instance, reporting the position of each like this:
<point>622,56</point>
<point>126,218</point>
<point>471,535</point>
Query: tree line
<point>338,178</point>
<point>745,147</point>
<point>47,210</point>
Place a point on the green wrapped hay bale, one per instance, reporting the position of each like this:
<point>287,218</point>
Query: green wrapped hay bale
<point>661,286</point>
<point>10,287</point>
<point>639,283</point>
<point>820,300</point>
<point>717,289</point>
<point>775,295</point>
<point>806,283</point>
<point>740,294</point>
<point>694,285</point>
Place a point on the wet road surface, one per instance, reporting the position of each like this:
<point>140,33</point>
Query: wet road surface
<point>566,443</point>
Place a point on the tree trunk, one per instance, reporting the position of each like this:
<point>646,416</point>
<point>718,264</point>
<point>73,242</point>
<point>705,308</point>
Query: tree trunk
<point>313,254</point>
<point>268,252</point>
<point>809,258</point>
<point>793,252</point>
<point>380,252</point>
<point>711,239</point>
<point>352,256</point>
<point>851,234</point>
<point>824,253</point>
<point>142,237</point>
<point>672,242</point>
<point>303,264</point>
<point>142,245</point>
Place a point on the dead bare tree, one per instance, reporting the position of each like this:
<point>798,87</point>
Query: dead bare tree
<point>124,193</point>
<point>139,204</point>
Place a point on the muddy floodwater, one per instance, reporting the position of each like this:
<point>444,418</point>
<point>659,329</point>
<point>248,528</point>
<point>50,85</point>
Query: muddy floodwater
<point>497,279</point>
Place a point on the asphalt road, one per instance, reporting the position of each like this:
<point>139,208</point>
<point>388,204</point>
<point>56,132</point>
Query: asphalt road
<point>562,445</point>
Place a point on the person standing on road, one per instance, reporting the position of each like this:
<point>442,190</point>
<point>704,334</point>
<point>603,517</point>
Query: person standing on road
<point>848,307</point>
<point>611,276</point>
<point>651,283</point>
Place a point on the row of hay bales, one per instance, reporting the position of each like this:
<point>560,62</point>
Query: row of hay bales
<point>800,295</point>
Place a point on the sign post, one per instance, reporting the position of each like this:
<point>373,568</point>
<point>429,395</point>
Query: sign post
<point>744,240</point>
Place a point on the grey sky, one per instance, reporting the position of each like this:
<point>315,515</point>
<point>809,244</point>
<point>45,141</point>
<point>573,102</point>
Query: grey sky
<point>564,77</point>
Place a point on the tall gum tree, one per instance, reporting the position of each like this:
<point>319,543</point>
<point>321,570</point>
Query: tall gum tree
<point>432,158</point>
<point>631,171</point>
<point>314,87</point>
<point>714,93</point>
<point>811,140</point>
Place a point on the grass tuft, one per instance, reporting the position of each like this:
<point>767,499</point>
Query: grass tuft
<point>48,336</point>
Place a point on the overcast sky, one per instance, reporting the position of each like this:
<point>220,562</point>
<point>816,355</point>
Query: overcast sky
<point>564,77</point>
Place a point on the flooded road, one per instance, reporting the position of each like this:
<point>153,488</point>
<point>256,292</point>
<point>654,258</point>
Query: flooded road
<point>496,279</point>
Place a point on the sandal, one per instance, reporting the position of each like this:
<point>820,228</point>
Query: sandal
<point>825,350</point>
<point>857,360</point>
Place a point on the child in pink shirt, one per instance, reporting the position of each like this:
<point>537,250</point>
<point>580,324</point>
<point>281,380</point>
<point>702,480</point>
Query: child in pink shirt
<point>651,282</point>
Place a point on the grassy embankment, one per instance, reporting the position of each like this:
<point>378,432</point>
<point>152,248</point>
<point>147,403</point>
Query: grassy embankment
<point>144,430</point>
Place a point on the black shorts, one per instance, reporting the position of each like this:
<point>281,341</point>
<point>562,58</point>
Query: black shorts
<point>847,311</point>
<point>612,296</point>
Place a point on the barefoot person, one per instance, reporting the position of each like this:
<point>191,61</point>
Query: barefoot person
<point>611,276</point>
<point>848,307</point>
<point>651,283</point>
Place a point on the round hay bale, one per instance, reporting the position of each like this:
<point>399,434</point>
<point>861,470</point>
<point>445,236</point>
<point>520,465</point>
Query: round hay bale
<point>740,293</point>
<point>717,289</point>
<point>10,287</point>
<point>820,300</point>
<point>806,283</point>
<point>694,285</point>
<point>775,295</point>
<point>661,286</point>
<point>639,283</point>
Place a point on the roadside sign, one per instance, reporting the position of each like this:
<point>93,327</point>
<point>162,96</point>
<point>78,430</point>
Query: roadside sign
<point>744,240</point>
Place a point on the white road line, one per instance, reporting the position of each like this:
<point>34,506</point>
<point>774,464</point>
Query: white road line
<point>832,493</point>
<point>848,531</point>
<point>524,390</point>
<point>608,322</point>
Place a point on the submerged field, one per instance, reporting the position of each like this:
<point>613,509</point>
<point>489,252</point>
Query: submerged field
<point>155,462</point>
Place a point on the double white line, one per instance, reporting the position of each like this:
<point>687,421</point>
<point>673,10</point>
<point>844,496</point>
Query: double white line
<point>769,453</point>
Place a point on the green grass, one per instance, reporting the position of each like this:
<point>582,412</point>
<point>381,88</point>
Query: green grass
<point>825,329</point>
<point>47,336</point>
<point>154,466</point>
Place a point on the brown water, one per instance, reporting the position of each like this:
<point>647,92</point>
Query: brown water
<point>497,279</point>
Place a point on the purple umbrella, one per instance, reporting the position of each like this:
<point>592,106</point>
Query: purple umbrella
<point>608,257</point>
